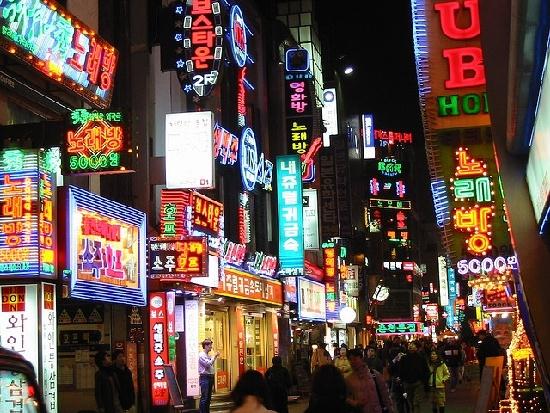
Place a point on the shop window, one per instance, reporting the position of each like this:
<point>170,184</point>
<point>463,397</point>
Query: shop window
<point>16,390</point>
<point>216,327</point>
<point>255,353</point>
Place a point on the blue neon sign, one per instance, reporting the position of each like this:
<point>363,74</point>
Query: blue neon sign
<point>239,41</point>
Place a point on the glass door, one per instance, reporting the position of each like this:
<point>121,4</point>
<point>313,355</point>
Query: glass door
<point>255,352</point>
<point>216,327</point>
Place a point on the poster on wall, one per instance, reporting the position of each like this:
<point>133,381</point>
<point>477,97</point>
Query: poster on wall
<point>48,375</point>
<point>105,249</point>
<point>191,346</point>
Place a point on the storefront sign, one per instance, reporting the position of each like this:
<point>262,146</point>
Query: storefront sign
<point>254,167</point>
<point>239,40</point>
<point>245,223</point>
<point>311,219</point>
<point>262,264</point>
<point>206,215</point>
<point>213,273</point>
<point>300,134</point>
<point>159,348</point>
<point>191,346</point>
<point>400,328</point>
<point>53,41</point>
<point>198,28</point>
<point>308,160</point>
<point>331,280</point>
<point>226,146</point>
<point>275,332</point>
<point>105,249</point>
<point>291,235</point>
<point>451,282</point>
<point>311,300</point>
<point>177,258</point>
<point>190,150</point>
<point>298,98</point>
<point>27,224</point>
<point>369,149</point>
<point>443,286</point>
<point>19,321</point>
<point>487,265</point>
<point>450,69</point>
<point>232,253</point>
<point>389,166</point>
<point>240,340</point>
<point>174,208</point>
<point>330,115</point>
<point>389,204</point>
<point>290,290</point>
<point>327,196</point>
<point>96,142</point>
<point>343,185</point>
<point>385,187</point>
<point>48,334</point>
<point>441,202</point>
<point>238,284</point>
<point>391,137</point>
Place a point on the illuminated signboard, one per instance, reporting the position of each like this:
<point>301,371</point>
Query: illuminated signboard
<point>19,321</point>
<point>378,186</point>
<point>311,300</point>
<point>49,346</point>
<point>298,98</point>
<point>262,264</point>
<point>369,149</point>
<point>238,36</point>
<point>291,232</point>
<point>390,167</point>
<point>174,205</point>
<point>226,146</point>
<point>451,282</point>
<point>487,265</point>
<point>242,86</point>
<point>254,167</point>
<point>28,206</point>
<point>389,204</point>
<point>190,150</point>
<point>238,284</point>
<point>46,36</point>
<point>105,249</point>
<point>233,253</point>
<point>198,28</point>
<point>245,224</point>
<point>474,199</point>
<point>410,327</point>
<point>297,60</point>
<point>97,142</point>
<point>206,215</point>
<point>449,61</point>
<point>390,137</point>
<point>330,115</point>
<point>331,280</point>
<point>300,133</point>
<point>178,259</point>
<point>311,219</point>
<point>158,347</point>
<point>308,160</point>
<point>441,202</point>
<point>191,346</point>
<point>443,285</point>
<point>327,194</point>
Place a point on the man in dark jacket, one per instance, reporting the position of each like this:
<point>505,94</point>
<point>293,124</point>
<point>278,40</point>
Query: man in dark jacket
<point>488,347</point>
<point>106,385</point>
<point>127,393</point>
<point>414,373</point>
<point>278,381</point>
<point>452,356</point>
<point>373,361</point>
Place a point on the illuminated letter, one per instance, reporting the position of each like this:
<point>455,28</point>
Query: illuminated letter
<point>478,244</point>
<point>462,61</point>
<point>467,166</point>
<point>448,19</point>
<point>464,188</point>
<point>483,189</point>
<point>471,104</point>
<point>448,105</point>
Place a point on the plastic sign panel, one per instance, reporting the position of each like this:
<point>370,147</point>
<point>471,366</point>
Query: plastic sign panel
<point>410,327</point>
<point>191,345</point>
<point>239,284</point>
<point>245,224</point>
<point>47,37</point>
<point>178,258</point>
<point>27,213</point>
<point>449,61</point>
<point>105,249</point>
<point>190,150</point>
<point>291,231</point>
<point>158,348</point>
<point>369,147</point>
<point>311,219</point>
<point>330,261</point>
<point>48,376</point>
<point>96,142</point>
<point>311,300</point>
<point>443,285</point>
<point>198,33</point>
<point>330,115</point>
<point>19,321</point>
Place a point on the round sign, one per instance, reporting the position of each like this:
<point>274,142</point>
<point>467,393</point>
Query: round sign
<point>239,47</point>
<point>328,96</point>
<point>381,294</point>
<point>347,315</point>
<point>248,156</point>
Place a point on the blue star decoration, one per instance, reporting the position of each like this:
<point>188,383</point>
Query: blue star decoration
<point>179,10</point>
<point>178,37</point>
<point>187,88</point>
<point>180,63</point>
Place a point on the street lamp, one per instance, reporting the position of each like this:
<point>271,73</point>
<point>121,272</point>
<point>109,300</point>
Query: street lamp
<point>348,70</point>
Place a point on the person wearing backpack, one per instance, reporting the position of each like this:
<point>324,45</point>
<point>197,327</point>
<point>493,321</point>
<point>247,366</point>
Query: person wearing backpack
<point>278,382</point>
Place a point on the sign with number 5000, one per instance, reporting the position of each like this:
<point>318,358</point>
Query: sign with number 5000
<point>487,265</point>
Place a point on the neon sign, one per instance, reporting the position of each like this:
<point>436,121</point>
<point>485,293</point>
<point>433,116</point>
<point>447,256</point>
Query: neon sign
<point>308,160</point>
<point>254,169</point>
<point>47,37</point>
<point>390,167</point>
<point>300,131</point>
<point>97,144</point>
<point>487,265</point>
<point>226,146</point>
<point>399,328</point>
<point>389,204</point>
<point>330,262</point>
<point>206,214</point>
<point>391,137</point>
<point>263,264</point>
<point>105,249</point>
<point>233,253</point>
<point>238,29</point>
<point>245,235</point>
<point>173,212</point>
<point>178,259</point>
<point>198,28</point>
<point>159,347</point>
<point>298,98</point>
<point>27,208</point>
<point>376,187</point>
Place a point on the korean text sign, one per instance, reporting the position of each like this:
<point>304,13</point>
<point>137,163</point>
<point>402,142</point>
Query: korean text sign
<point>158,348</point>
<point>235,283</point>
<point>47,37</point>
<point>27,205</point>
<point>178,258</point>
<point>106,249</point>
<point>291,231</point>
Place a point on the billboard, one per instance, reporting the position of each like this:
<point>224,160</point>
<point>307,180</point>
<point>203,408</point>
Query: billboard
<point>28,205</point>
<point>105,250</point>
<point>311,220</point>
<point>311,300</point>
<point>239,284</point>
<point>291,231</point>
<point>190,150</point>
<point>47,37</point>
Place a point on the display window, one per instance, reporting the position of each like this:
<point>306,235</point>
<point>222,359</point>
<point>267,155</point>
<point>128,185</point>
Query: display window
<point>216,327</point>
<point>255,348</point>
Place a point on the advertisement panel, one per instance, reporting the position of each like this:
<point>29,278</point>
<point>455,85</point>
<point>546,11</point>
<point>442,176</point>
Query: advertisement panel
<point>105,249</point>
<point>369,147</point>
<point>190,150</point>
<point>327,197</point>
<point>28,203</point>
<point>311,300</point>
<point>191,346</point>
<point>329,114</point>
<point>311,219</point>
<point>180,258</point>
<point>291,232</point>
<point>48,375</point>
<point>18,321</point>
<point>238,284</point>
<point>443,285</point>
<point>158,348</point>
<point>47,37</point>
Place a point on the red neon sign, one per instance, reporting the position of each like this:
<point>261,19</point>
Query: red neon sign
<point>392,137</point>
<point>206,214</point>
<point>173,212</point>
<point>158,348</point>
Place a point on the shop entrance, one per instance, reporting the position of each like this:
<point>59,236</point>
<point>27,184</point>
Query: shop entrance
<point>255,351</point>
<point>216,327</point>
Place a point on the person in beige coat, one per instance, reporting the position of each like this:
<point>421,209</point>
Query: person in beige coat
<point>320,357</point>
<point>251,394</point>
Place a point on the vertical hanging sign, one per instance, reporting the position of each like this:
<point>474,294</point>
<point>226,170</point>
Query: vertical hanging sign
<point>291,232</point>
<point>48,375</point>
<point>158,348</point>
<point>191,346</point>
<point>240,339</point>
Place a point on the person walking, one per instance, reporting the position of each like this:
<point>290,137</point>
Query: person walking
<point>373,361</point>
<point>342,363</point>
<point>439,374</point>
<point>106,385</point>
<point>278,382</point>
<point>206,375</point>
<point>320,357</point>
<point>367,391</point>
<point>413,372</point>
<point>328,392</point>
<point>452,356</point>
<point>488,347</point>
<point>251,394</point>
<point>127,394</point>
